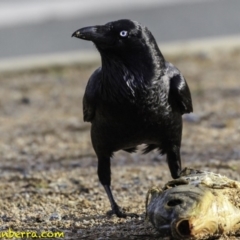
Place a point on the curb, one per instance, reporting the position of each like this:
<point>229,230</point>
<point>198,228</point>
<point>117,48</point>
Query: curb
<point>87,58</point>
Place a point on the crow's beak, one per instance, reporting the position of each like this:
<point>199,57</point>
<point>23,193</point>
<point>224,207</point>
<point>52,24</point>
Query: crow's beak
<point>94,33</point>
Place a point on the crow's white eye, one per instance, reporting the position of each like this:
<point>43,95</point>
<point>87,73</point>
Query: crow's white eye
<point>123,33</point>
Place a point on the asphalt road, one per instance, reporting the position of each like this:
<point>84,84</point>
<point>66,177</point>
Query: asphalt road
<point>168,23</point>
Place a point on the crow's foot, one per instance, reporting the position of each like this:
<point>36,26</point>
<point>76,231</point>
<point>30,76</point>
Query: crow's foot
<point>120,213</point>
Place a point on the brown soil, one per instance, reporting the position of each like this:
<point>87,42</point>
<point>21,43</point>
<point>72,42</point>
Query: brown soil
<point>48,167</point>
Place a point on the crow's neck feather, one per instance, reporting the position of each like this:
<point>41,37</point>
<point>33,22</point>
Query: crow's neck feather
<point>120,81</point>
<point>126,74</point>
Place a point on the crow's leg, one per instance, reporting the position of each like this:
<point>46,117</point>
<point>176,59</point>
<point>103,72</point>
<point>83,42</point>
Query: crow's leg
<point>174,161</point>
<point>115,208</point>
<point>104,175</point>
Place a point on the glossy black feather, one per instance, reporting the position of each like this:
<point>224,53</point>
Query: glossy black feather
<point>130,150</point>
<point>179,93</point>
<point>148,148</point>
<point>90,96</point>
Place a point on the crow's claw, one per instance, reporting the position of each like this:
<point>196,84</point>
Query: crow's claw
<point>120,213</point>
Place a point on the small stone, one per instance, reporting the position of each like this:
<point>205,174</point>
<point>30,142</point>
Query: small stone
<point>192,118</point>
<point>218,125</point>
<point>86,222</point>
<point>55,216</point>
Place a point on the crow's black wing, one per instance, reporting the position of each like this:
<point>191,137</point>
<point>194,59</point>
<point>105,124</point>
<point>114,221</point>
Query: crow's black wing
<point>90,97</point>
<point>179,94</point>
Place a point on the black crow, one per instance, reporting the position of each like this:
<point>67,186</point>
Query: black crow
<point>135,97</point>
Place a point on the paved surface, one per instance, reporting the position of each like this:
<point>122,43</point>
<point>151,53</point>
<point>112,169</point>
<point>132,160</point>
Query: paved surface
<point>177,20</point>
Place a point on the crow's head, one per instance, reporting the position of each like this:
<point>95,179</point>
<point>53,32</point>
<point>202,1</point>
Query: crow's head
<point>127,46</point>
<point>116,35</point>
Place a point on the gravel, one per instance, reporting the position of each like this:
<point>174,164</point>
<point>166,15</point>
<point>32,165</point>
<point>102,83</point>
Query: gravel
<point>48,175</point>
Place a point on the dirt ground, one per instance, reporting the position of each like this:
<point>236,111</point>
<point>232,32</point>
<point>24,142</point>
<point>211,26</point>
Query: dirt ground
<point>48,177</point>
